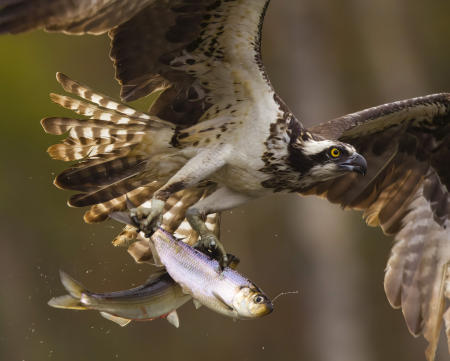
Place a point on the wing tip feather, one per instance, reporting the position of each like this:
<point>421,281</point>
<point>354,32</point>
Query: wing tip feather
<point>60,77</point>
<point>50,127</point>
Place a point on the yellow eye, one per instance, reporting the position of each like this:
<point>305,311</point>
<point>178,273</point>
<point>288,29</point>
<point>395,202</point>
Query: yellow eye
<point>335,152</point>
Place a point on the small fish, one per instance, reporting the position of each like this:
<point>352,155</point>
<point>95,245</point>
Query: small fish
<point>159,297</point>
<point>224,291</point>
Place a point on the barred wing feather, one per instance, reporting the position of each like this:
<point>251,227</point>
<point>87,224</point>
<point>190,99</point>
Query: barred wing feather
<point>68,16</point>
<point>206,52</point>
<point>406,193</point>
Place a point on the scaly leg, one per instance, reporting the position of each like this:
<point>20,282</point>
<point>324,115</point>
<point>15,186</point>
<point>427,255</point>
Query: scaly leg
<point>221,200</point>
<point>198,168</point>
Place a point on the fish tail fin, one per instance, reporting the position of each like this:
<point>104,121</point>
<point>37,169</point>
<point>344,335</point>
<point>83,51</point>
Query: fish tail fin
<point>67,302</point>
<point>75,288</point>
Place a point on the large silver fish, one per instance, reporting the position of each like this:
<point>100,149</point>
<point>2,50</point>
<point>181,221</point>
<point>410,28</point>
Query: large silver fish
<point>159,297</point>
<point>224,291</point>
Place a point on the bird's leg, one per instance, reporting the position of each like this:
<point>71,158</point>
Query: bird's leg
<point>221,200</point>
<point>194,171</point>
<point>148,219</point>
<point>207,240</point>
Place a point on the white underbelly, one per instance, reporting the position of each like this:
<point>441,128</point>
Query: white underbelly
<point>241,179</point>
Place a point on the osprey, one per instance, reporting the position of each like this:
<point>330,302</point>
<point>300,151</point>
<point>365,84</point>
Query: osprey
<point>218,136</point>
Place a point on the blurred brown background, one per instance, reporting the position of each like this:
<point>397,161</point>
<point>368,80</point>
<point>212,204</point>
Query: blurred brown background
<point>326,58</point>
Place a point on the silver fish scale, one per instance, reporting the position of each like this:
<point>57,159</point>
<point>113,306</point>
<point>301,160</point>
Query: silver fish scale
<point>199,275</point>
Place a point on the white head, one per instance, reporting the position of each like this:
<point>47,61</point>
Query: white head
<point>322,160</point>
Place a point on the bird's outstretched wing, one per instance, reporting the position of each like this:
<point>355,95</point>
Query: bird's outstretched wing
<point>406,193</point>
<point>206,51</point>
<point>68,16</point>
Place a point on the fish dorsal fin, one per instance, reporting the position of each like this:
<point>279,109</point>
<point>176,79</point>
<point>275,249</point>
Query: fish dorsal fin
<point>122,322</point>
<point>155,276</point>
<point>197,304</point>
<point>222,301</point>
<point>173,319</point>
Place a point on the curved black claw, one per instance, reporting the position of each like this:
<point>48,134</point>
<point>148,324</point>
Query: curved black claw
<point>150,232</point>
<point>124,217</point>
<point>135,221</point>
<point>223,261</point>
<point>233,260</point>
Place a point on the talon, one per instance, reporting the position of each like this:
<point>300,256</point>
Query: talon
<point>146,220</point>
<point>209,243</point>
<point>223,262</point>
<point>135,220</point>
<point>233,261</point>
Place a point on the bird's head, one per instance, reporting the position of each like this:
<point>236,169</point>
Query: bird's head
<point>320,160</point>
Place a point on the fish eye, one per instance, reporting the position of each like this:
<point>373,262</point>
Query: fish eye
<point>258,299</point>
<point>335,152</point>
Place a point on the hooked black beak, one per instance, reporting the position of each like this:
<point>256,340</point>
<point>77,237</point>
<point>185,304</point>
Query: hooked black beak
<point>356,163</point>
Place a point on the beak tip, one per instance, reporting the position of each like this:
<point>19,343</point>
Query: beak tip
<point>356,163</point>
<point>360,170</point>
